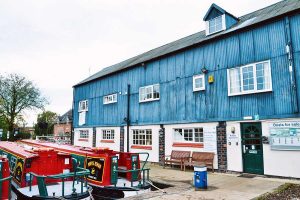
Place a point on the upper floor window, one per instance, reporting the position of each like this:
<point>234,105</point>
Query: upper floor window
<point>251,78</point>
<point>198,82</point>
<point>188,135</point>
<point>108,134</point>
<point>83,106</point>
<point>149,93</point>
<point>215,25</point>
<point>83,134</point>
<point>112,98</point>
<point>142,137</point>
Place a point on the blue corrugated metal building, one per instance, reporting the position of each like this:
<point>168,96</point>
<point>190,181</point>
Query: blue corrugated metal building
<point>232,89</point>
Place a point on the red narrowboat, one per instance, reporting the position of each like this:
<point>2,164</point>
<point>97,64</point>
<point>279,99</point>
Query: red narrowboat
<point>4,178</point>
<point>112,174</point>
<point>37,170</point>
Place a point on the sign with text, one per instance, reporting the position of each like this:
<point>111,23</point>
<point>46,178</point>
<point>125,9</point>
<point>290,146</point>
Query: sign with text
<point>210,139</point>
<point>285,135</point>
<point>95,166</point>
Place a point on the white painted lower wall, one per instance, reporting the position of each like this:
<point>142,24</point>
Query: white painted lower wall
<point>276,162</point>
<point>154,152</point>
<point>207,127</point>
<point>88,143</point>
<point>101,143</point>
<point>234,147</point>
<point>280,163</point>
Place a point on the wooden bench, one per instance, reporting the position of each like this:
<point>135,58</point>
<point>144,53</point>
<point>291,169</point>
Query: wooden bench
<point>177,158</point>
<point>201,158</point>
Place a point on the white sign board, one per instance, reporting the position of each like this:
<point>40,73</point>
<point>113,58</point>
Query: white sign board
<point>210,139</point>
<point>81,120</point>
<point>285,135</point>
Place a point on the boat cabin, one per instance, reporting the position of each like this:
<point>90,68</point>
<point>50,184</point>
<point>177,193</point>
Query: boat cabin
<point>105,165</point>
<point>39,160</point>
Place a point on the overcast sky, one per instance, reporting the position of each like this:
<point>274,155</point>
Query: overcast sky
<point>58,43</point>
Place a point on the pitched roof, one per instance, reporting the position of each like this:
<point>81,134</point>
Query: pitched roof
<point>67,117</point>
<point>254,18</point>
<point>215,6</point>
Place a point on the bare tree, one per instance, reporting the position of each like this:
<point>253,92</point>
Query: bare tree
<point>18,94</point>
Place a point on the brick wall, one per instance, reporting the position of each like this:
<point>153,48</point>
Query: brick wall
<point>61,129</point>
<point>222,147</point>
<point>161,145</point>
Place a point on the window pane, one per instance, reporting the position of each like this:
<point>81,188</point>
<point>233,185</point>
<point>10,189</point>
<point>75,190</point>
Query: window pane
<point>215,24</point>
<point>156,91</point>
<point>188,135</point>
<point>198,83</point>
<point>178,134</point>
<point>248,78</point>
<point>198,134</point>
<point>235,82</point>
<point>263,76</point>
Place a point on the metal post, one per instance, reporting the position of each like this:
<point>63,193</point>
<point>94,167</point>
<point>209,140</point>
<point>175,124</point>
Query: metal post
<point>128,115</point>
<point>63,187</point>
<point>30,182</point>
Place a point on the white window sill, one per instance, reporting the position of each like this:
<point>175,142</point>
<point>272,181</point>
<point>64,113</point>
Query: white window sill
<point>109,103</point>
<point>149,100</point>
<point>250,92</point>
<point>197,90</point>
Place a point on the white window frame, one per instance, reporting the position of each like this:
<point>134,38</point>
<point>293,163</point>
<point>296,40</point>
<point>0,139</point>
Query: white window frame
<point>137,141</point>
<point>12,163</point>
<point>111,98</point>
<point>84,134</point>
<point>254,77</point>
<point>185,128</point>
<point>83,106</point>
<point>152,93</point>
<point>108,134</point>
<point>199,76</point>
<point>223,25</point>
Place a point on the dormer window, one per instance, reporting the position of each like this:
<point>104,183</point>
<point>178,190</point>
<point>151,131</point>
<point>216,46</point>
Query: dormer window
<point>217,19</point>
<point>216,24</point>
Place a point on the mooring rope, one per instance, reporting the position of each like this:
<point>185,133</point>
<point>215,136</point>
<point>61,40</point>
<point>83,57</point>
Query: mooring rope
<point>151,183</point>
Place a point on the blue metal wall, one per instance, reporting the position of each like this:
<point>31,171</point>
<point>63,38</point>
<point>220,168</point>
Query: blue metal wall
<point>179,104</point>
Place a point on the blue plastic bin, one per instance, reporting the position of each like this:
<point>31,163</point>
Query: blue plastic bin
<point>200,177</point>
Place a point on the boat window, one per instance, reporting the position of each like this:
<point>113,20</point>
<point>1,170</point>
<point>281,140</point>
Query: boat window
<point>12,163</point>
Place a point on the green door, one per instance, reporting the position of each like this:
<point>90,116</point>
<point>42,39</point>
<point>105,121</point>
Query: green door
<point>252,148</point>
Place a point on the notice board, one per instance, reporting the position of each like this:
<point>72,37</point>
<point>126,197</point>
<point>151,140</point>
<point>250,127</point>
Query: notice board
<point>285,135</point>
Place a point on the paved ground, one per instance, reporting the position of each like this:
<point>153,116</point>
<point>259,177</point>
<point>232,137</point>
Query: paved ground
<point>221,186</point>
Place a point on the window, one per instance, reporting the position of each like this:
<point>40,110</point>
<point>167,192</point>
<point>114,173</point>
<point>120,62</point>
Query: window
<point>149,93</point>
<point>142,137</point>
<point>216,24</point>
<point>108,134</point>
<point>83,134</point>
<point>188,134</point>
<point>12,163</point>
<point>252,78</point>
<point>112,98</point>
<point>83,106</point>
<point>198,82</point>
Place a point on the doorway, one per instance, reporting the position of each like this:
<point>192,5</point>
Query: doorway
<point>252,148</point>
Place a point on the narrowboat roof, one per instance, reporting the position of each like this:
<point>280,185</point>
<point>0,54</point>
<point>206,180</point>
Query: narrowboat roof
<point>61,147</point>
<point>17,149</point>
<point>255,18</point>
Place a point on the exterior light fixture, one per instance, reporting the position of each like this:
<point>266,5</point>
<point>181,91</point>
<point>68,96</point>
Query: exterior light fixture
<point>204,70</point>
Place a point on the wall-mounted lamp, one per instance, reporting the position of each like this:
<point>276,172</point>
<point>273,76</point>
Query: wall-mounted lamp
<point>204,70</point>
<point>232,129</point>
